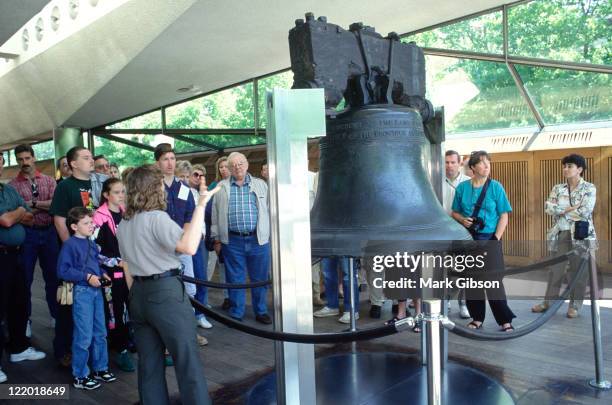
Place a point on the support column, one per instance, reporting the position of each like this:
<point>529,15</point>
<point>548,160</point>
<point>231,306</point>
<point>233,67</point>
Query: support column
<point>293,116</point>
<point>65,138</point>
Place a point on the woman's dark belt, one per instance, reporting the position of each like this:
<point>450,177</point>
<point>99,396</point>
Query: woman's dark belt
<point>165,274</point>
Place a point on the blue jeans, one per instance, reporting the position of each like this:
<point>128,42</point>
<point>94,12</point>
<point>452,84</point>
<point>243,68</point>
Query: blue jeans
<point>244,254</point>
<point>200,263</point>
<point>89,331</point>
<point>41,244</point>
<point>187,262</point>
<point>329,268</point>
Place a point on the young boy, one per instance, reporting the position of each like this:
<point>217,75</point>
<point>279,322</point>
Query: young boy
<point>78,263</point>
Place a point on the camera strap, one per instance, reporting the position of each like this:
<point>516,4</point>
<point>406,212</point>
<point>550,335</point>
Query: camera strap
<point>481,198</point>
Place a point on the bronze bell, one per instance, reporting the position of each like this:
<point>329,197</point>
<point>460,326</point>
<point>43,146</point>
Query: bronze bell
<point>373,184</point>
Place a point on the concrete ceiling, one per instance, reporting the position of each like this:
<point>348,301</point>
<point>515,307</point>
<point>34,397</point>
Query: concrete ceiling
<point>135,58</point>
<point>15,13</point>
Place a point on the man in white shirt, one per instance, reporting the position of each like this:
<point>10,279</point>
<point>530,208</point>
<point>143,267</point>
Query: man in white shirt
<point>452,165</point>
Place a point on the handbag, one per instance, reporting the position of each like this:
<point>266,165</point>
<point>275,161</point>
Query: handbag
<point>64,294</point>
<point>581,228</point>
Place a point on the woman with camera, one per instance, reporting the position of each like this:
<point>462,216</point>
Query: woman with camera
<point>150,242</point>
<point>481,205</point>
<point>571,205</point>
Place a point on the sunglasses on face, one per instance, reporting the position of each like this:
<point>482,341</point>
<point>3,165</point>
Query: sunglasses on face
<point>34,190</point>
<point>197,175</point>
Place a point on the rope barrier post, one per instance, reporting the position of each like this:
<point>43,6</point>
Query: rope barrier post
<point>431,318</point>
<point>351,263</point>
<point>444,339</point>
<point>293,116</point>
<point>599,382</point>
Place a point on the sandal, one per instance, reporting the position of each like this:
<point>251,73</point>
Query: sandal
<point>393,320</point>
<point>474,325</point>
<point>539,308</point>
<point>507,329</point>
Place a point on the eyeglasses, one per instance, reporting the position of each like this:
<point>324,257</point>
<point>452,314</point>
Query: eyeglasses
<point>197,175</point>
<point>103,166</point>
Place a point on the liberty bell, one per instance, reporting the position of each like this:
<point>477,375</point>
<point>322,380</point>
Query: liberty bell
<point>373,181</point>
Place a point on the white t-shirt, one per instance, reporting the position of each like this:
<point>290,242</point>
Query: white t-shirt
<point>448,191</point>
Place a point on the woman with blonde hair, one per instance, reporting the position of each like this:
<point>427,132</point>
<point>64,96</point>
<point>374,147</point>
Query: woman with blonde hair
<point>150,242</point>
<point>222,171</point>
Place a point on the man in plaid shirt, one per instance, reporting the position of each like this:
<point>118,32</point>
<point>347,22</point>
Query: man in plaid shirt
<point>41,241</point>
<point>241,229</point>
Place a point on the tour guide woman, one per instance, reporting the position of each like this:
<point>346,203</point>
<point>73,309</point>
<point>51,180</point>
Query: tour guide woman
<point>149,241</point>
<point>487,223</point>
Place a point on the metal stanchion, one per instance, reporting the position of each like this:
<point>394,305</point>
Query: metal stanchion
<point>431,318</point>
<point>351,262</point>
<point>599,382</point>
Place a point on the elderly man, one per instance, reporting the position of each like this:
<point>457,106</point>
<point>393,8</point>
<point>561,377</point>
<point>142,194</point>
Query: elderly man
<point>41,243</point>
<point>452,165</point>
<point>241,228</point>
<point>13,213</point>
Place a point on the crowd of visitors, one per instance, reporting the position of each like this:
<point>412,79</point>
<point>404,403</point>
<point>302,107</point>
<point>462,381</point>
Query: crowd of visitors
<point>112,247</point>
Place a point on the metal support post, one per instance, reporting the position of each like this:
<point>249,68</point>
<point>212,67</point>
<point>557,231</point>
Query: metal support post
<point>351,263</point>
<point>436,134</point>
<point>431,317</point>
<point>293,116</point>
<point>599,382</point>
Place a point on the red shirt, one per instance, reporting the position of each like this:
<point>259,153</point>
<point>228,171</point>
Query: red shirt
<point>45,186</point>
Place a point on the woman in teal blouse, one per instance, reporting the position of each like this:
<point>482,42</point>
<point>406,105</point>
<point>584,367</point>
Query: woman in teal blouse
<point>489,224</point>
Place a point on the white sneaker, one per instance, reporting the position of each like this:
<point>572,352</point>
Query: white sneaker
<point>346,317</point>
<point>326,311</point>
<point>203,323</point>
<point>3,376</point>
<point>29,329</point>
<point>28,354</point>
<point>463,312</point>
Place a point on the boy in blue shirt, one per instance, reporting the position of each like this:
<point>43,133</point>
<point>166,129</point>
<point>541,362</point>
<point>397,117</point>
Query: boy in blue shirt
<point>78,263</point>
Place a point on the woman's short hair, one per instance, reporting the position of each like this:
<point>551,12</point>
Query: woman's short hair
<point>217,164</point>
<point>576,159</point>
<point>183,166</point>
<point>477,156</point>
<point>199,167</point>
<point>144,191</point>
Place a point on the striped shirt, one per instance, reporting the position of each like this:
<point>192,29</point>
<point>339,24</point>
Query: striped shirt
<point>44,187</point>
<point>242,213</point>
